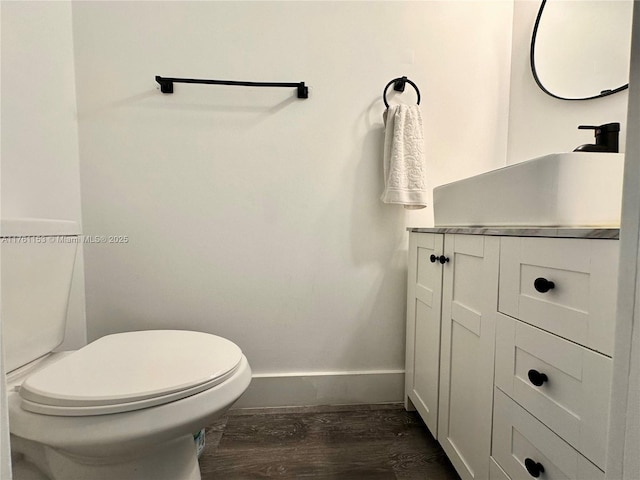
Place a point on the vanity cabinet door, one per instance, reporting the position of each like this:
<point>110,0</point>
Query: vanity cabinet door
<point>423,327</point>
<point>470,289</point>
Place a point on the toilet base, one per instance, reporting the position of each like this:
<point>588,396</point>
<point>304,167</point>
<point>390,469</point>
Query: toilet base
<point>174,460</point>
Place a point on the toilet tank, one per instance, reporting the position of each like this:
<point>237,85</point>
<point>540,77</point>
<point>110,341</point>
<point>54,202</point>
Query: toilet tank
<point>36,262</point>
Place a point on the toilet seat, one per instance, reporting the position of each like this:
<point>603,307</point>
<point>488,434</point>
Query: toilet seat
<point>130,371</point>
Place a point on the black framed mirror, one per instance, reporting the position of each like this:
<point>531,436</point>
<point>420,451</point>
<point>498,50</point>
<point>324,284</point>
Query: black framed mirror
<point>580,49</point>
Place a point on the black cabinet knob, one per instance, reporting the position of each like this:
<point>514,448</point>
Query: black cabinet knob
<point>537,378</point>
<point>442,259</point>
<point>534,468</point>
<point>543,285</point>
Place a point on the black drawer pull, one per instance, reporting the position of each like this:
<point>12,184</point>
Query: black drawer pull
<point>433,258</point>
<point>543,285</point>
<point>534,468</point>
<point>537,378</point>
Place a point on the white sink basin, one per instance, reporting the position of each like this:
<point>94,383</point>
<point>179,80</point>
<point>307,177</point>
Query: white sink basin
<point>560,190</point>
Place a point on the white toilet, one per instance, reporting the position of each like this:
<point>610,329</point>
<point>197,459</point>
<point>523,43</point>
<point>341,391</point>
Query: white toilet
<point>125,406</point>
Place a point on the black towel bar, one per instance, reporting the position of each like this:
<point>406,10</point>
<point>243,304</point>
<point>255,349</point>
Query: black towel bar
<point>166,84</point>
<point>398,85</point>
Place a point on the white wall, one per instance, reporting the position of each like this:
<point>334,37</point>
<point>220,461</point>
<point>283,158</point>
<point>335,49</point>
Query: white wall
<point>39,140</point>
<point>5,447</point>
<point>255,215</point>
<point>623,444</point>
<point>540,124</point>
<point>40,170</point>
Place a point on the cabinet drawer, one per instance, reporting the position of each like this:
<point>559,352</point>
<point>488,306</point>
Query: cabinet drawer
<point>520,439</point>
<point>573,401</point>
<point>496,472</point>
<point>581,304</point>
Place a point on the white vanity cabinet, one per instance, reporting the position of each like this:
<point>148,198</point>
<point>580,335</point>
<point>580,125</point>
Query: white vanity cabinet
<point>557,303</point>
<point>509,344</point>
<point>451,312</point>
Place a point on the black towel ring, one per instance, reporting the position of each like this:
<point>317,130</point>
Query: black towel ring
<point>398,85</point>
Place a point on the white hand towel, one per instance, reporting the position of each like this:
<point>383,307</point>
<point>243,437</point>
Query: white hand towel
<point>404,163</point>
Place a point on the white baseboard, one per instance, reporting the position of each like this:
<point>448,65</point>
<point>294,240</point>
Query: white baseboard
<point>323,388</point>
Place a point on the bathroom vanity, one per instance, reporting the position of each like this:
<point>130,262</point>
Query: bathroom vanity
<point>509,343</point>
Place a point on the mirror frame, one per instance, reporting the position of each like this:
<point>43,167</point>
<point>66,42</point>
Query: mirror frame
<point>603,93</point>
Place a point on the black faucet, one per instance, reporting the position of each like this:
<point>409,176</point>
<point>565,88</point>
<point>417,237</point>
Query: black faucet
<point>606,138</point>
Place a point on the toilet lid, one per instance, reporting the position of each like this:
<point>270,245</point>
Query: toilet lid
<point>129,371</point>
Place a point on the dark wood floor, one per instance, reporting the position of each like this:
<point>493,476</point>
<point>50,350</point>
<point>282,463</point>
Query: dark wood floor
<point>348,442</point>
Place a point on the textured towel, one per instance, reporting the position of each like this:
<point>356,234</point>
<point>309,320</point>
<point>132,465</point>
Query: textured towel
<point>404,165</point>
